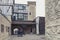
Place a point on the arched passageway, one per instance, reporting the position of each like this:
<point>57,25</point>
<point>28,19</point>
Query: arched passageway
<point>15,31</point>
<point>27,29</point>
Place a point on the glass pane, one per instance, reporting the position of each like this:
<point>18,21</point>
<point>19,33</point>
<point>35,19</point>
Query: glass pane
<point>2,28</point>
<point>20,15</point>
<point>25,17</point>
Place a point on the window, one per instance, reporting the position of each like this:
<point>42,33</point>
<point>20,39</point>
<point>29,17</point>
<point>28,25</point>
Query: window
<point>21,7</point>
<point>30,13</point>
<point>7,29</point>
<point>25,17</point>
<point>2,28</point>
<point>24,7</point>
<point>20,16</point>
<point>14,17</point>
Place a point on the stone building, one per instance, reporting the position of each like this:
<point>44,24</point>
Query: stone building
<point>24,17</point>
<point>32,10</point>
<point>5,19</point>
<point>40,25</point>
<point>5,25</point>
<point>20,12</point>
<point>52,20</point>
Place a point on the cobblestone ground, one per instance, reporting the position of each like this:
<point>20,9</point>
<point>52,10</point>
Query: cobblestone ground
<point>27,37</point>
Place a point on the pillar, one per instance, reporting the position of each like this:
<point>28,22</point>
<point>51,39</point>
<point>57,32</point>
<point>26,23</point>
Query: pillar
<point>52,20</point>
<point>37,25</point>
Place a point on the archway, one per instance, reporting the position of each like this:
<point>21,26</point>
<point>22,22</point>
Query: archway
<point>15,31</point>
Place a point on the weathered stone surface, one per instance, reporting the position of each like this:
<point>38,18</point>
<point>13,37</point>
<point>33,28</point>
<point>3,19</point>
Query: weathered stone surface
<point>27,37</point>
<point>52,19</point>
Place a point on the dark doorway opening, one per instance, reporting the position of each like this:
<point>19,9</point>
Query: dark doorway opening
<point>27,29</point>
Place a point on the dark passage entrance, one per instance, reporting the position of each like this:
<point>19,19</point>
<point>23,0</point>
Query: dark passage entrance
<point>27,29</point>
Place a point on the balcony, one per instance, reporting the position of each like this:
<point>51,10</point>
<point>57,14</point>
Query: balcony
<point>21,11</point>
<point>23,22</point>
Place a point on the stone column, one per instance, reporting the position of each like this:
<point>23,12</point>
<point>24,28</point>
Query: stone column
<point>52,20</point>
<point>37,25</point>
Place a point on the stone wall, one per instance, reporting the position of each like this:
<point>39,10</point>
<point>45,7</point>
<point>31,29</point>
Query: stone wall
<point>6,23</point>
<point>31,10</point>
<point>52,20</point>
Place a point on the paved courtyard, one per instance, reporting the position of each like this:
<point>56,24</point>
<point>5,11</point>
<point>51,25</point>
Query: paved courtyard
<point>27,37</point>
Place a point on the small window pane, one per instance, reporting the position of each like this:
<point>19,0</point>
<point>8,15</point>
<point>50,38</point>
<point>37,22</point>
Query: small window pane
<point>30,13</point>
<point>2,28</point>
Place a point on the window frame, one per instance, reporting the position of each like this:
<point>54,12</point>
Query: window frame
<point>2,28</point>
